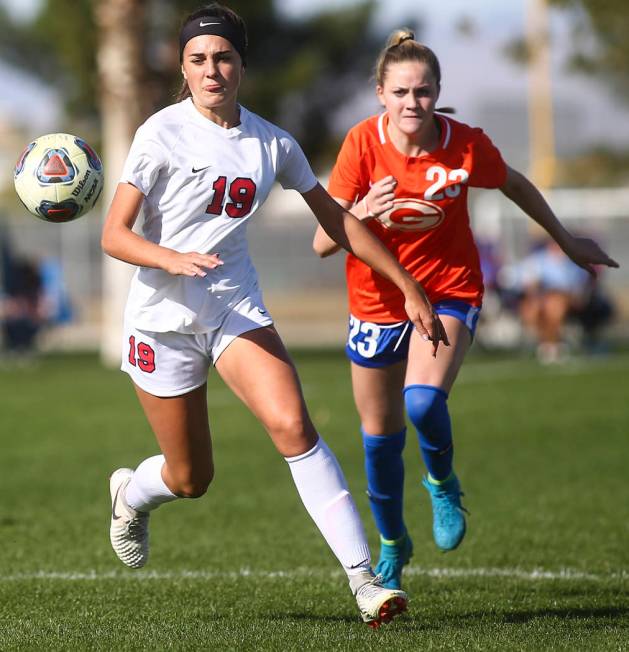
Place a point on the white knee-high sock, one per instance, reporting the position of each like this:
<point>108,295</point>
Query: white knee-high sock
<point>146,489</point>
<point>323,490</point>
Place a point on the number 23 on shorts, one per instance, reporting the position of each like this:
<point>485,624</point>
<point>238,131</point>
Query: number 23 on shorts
<point>377,345</point>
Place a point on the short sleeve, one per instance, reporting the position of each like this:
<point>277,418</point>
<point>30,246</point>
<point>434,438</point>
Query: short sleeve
<point>488,169</point>
<point>144,161</point>
<point>346,181</point>
<point>294,171</point>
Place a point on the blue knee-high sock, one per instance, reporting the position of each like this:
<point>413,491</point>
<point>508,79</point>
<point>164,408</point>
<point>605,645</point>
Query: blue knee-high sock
<point>427,409</point>
<point>385,481</point>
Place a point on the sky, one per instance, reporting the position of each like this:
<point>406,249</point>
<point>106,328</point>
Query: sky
<point>485,87</point>
<point>392,9</point>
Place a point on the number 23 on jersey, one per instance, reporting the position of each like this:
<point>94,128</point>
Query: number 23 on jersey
<point>442,182</point>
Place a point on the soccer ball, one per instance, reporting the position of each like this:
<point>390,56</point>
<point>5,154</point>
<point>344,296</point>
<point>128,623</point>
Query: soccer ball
<point>58,177</point>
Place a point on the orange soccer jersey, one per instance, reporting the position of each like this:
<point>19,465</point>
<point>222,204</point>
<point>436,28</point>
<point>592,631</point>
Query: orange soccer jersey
<point>428,230</point>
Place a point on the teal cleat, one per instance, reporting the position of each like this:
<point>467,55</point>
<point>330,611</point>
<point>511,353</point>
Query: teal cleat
<point>394,555</point>
<point>448,521</point>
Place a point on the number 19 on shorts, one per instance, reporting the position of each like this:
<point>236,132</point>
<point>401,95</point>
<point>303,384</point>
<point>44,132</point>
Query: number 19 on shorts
<point>141,355</point>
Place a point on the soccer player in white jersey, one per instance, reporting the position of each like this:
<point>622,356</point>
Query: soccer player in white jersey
<point>201,168</point>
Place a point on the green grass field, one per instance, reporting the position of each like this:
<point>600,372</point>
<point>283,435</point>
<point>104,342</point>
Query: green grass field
<point>542,454</point>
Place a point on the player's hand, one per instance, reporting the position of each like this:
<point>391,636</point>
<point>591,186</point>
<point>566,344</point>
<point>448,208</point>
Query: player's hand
<point>380,197</point>
<point>426,320</point>
<point>189,264</point>
<point>586,253</point>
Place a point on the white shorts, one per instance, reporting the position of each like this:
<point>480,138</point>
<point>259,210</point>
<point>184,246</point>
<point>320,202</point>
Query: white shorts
<point>171,364</point>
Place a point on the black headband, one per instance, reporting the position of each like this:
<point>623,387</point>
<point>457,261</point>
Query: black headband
<point>214,26</point>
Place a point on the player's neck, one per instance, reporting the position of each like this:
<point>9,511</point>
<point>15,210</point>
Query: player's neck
<point>224,116</point>
<point>424,141</point>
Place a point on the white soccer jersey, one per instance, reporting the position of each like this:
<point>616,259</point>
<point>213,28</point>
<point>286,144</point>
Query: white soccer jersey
<point>202,183</point>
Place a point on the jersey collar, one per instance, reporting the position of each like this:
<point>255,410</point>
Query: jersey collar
<point>208,125</point>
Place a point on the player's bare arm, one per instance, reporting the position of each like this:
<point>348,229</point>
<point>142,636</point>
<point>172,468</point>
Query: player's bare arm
<point>583,251</point>
<point>378,200</point>
<point>120,241</point>
<point>349,233</point>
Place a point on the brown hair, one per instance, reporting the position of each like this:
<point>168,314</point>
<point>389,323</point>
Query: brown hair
<point>220,11</point>
<point>402,46</point>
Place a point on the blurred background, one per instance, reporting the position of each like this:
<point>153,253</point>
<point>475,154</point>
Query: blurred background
<point>548,80</point>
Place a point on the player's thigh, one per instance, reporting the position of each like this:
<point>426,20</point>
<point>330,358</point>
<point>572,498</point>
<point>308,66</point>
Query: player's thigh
<point>440,371</point>
<point>182,430</point>
<point>169,371</point>
<point>557,305</point>
<point>529,309</point>
<point>258,369</point>
<point>379,398</point>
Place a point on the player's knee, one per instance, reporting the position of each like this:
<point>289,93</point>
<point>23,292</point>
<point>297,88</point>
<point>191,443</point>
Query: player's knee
<point>423,402</point>
<point>382,423</point>
<point>292,434</point>
<point>193,484</point>
<point>194,489</point>
<point>285,427</point>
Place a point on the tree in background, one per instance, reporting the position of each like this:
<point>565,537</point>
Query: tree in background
<point>301,71</point>
<point>121,72</point>
<point>607,54</point>
<point>59,46</point>
<point>600,48</point>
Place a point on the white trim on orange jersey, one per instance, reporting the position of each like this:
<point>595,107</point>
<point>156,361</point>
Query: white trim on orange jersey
<point>448,132</point>
<point>383,139</point>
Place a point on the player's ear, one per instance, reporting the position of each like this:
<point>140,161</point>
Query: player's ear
<point>380,94</point>
<point>183,72</point>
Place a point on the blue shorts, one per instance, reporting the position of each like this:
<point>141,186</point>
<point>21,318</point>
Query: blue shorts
<point>381,345</point>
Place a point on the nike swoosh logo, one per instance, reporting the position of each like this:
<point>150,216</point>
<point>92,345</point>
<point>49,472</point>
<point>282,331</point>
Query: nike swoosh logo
<point>206,24</point>
<point>362,563</point>
<point>113,507</point>
<point>195,170</point>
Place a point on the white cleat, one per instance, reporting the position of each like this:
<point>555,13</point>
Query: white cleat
<point>376,603</point>
<point>128,533</point>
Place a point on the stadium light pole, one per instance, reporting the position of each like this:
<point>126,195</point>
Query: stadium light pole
<point>121,24</point>
<point>541,127</point>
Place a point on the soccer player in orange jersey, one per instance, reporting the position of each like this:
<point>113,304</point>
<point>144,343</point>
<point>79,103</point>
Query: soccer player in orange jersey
<point>406,173</point>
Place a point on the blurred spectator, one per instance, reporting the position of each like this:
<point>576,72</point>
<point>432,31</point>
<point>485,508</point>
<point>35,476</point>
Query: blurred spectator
<point>57,306</point>
<point>500,326</point>
<point>502,281</point>
<point>596,311</point>
<point>490,264</point>
<point>23,310</point>
<point>553,289</point>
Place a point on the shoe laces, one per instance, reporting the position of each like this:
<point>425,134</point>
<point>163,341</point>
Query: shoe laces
<point>137,526</point>
<point>444,500</point>
<point>390,569</point>
<point>372,588</point>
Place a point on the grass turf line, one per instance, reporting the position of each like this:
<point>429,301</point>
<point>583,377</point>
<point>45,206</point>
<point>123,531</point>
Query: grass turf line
<point>541,453</point>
